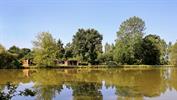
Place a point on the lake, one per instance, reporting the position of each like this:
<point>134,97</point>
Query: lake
<point>89,84</point>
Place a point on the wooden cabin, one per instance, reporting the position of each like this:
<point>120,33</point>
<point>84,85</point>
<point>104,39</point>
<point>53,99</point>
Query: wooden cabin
<point>71,63</point>
<point>26,63</point>
<point>60,62</point>
<point>67,62</point>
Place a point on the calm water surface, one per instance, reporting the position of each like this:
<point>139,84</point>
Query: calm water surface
<point>91,84</point>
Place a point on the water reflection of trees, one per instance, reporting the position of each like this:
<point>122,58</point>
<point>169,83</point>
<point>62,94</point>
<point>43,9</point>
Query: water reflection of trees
<point>86,91</point>
<point>47,84</point>
<point>86,84</point>
<point>138,84</point>
<point>12,75</point>
<point>9,90</point>
<point>173,79</point>
<point>47,92</point>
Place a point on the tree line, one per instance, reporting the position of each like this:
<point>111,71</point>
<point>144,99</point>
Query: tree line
<point>132,46</point>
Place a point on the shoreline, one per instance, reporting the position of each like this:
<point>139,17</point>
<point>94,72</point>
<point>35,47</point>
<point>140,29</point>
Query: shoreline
<point>100,66</point>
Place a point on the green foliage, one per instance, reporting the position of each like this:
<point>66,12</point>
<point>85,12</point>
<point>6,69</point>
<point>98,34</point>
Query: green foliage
<point>154,50</point>
<point>45,49</point>
<point>8,60</point>
<point>129,39</point>
<point>130,48</point>
<point>27,92</point>
<point>30,55</point>
<point>11,91</point>
<point>168,51</point>
<point>61,50</point>
<point>25,51</point>
<point>173,55</point>
<point>107,56</point>
<point>16,51</point>
<point>108,48</point>
<point>164,52</point>
<point>151,51</point>
<point>20,53</point>
<point>87,44</point>
<point>68,51</point>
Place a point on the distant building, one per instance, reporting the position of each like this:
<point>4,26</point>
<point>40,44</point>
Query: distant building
<point>61,62</point>
<point>67,62</point>
<point>26,63</point>
<point>71,62</point>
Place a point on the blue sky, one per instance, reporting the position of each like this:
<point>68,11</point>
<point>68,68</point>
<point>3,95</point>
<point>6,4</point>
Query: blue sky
<point>21,20</point>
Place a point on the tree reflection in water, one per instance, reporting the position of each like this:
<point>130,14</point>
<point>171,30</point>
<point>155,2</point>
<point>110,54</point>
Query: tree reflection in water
<point>10,91</point>
<point>86,91</point>
<point>141,84</point>
<point>129,83</point>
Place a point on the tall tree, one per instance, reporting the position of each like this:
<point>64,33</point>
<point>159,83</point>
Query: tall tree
<point>173,55</point>
<point>163,46</point>
<point>61,50</point>
<point>87,45</point>
<point>45,49</point>
<point>68,51</point>
<point>129,39</point>
<point>154,50</point>
<point>107,55</point>
<point>108,48</point>
<point>151,51</point>
<point>168,51</point>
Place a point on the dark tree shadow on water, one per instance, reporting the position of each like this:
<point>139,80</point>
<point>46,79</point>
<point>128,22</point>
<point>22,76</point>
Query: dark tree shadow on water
<point>10,91</point>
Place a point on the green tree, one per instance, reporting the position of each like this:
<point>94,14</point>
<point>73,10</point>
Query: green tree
<point>16,51</point>
<point>107,55</point>
<point>68,51</point>
<point>151,52</point>
<point>45,49</point>
<point>106,58</point>
<point>164,52</point>
<point>20,53</point>
<point>154,50</point>
<point>108,48</point>
<point>25,51</point>
<point>61,50</point>
<point>129,39</point>
<point>29,56</point>
<point>167,58</point>
<point>173,54</point>
<point>87,44</point>
<point>8,60</point>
